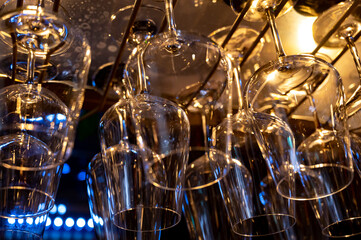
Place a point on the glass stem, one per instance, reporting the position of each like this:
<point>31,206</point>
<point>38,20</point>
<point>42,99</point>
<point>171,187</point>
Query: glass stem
<point>170,17</point>
<point>276,37</point>
<point>351,46</point>
<point>141,71</point>
<point>205,117</point>
<point>313,107</point>
<point>30,67</point>
<point>237,80</point>
<point>352,103</point>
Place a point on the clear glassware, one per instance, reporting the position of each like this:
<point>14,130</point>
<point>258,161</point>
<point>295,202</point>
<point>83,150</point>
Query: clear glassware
<point>339,215</point>
<point>98,199</point>
<point>258,9</point>
<point>99,205</point>
<point>256,211</point>
<point>147,23</point>
<point>186,68</point>
<point>297,89</point>
<point>44,64</point>
<point>289,87</point>
<point>148,135</point>
<point>343,35</point>
<point>203,206</point>
<point>60,56</point>
<point>33,143</point>
<point>179,76</point>
<point>236,48</point>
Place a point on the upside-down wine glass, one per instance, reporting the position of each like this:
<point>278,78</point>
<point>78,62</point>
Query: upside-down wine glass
<point>144,142</point>
<point>45,48</point>
<point>344,35</point>
<point>33,140</point>
<point>35,132</point>
<point>256,210</point>
<point>34,31</point>
<point>236,48</point>
<point>293,88</point>
<point>37,126</point>
<point>146,24</point>
<point>184,67</point>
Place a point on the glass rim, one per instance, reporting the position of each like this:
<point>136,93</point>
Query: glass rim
<point>51,166</point>
<point>34,169</point>
<point>267,234</point>
<point>315,196</point>
<point>324,232</point>
<point>214,181</point>
<point>39,213</point>
<point>179,216</point>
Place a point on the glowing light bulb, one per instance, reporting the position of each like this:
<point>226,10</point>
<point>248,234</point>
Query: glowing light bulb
<point>69,222</point>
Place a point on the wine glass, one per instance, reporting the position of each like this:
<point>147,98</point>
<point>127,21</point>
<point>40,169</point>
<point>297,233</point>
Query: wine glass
<point>99,206</point>
<point>254,215</point>
<point>203,206</point>
<point>289,87</point>
<point>236,47</point>
<point>184,67</point>
<point>46,54</point>
<point>59,59</point>
<point>260,155</point>
<point>344,35</point>
<point>144,142</point>
<point>282,88</point>
<point>147,23</point>
<point>33,140</point>
<point>313,8</point>
<point>339,215</point>
<point>257,11</point>
<point>33,31</point>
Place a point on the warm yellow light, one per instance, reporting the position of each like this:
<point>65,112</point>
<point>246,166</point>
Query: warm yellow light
<point>305,36</point>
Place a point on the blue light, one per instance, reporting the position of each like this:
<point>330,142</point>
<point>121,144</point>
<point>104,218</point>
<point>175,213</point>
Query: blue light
<point>66,168</point>
<point>42,218</point>
<point>90,223</point>
<point>57,117</point>
<point>48,222</point>
<point>38,119</point>
<point>96,219</point>
<point>20,221</point>
<point>81,176</point>
<point>58,222</point>
<point>61,209</point>
<point>29,221</point>
<point>101,222</point>
<point>11,221</point>
<point>69,222</point>
<point>53,210</point>
<point>37,220</point>
<point>80,223</point>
